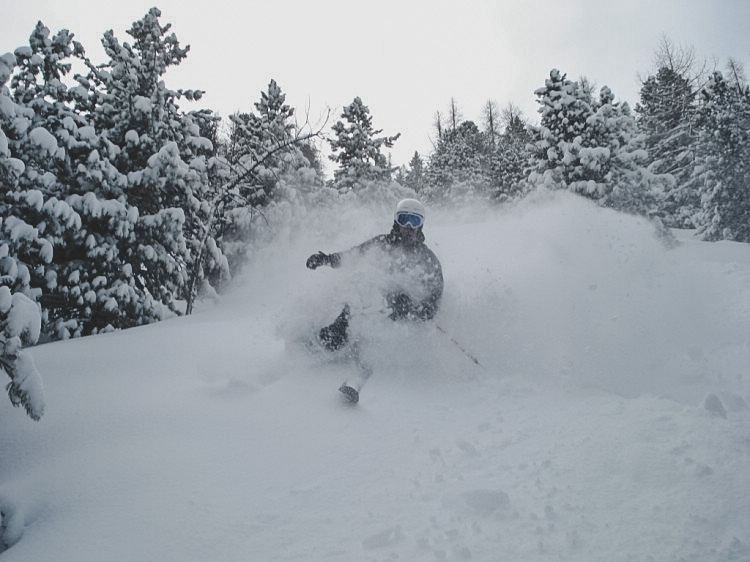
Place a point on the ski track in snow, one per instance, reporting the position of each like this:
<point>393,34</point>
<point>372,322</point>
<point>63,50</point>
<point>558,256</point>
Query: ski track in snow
<point>608,421</point>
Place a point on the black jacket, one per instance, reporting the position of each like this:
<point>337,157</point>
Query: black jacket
<point>416,278</point>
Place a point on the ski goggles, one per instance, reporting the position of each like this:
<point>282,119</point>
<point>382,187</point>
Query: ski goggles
<point>409,219</point>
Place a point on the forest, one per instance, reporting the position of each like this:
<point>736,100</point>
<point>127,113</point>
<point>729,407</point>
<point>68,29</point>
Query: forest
<point>119,207</point>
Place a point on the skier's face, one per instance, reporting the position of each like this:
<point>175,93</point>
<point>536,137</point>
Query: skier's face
<point>409,235</point>
<point>410,227</point>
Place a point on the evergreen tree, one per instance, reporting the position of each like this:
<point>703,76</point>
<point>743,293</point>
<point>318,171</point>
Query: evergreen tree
<point>592,147</point>
<point>111,196</point>
<point>565,107</point>
<point>508,160</point>
<point>414,176</point>
<point>161,152</point>
<point>459,163</point>
<point>118,176</point>
<point>73,188</point>
<point>311,152</point>
<point>262,147</point>
<point>356,148</point>
<point>722,171</point>
<point>666,116</point>
<point>20,319</point>
<point>617,159</point>
<point>20,325</point>
<point>263,152</point>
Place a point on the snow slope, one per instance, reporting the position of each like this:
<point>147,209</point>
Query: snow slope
<point>608,420</point>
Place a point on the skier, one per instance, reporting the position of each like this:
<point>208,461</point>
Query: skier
<point>415,278</point>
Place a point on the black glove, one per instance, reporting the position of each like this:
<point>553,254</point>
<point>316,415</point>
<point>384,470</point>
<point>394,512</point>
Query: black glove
<point>316,260</point>
<point>401,306</point>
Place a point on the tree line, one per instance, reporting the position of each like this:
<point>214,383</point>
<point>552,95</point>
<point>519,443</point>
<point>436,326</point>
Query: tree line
<point>681,157</point>
<point>119,207</point>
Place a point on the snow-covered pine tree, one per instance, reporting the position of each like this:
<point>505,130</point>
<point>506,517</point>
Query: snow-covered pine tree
<point>20,319</point>
<point>356,148</point>
<point>460,163</point>
<point>414,176</point>
<point>565,107</point>
<point>265,153</point>
<point>73,195</point>
<point>509,158</point>
<point>261,147</point>
<point>616,158</point>
<point>161,152</point>
<point>25,387</point>
<point>722,170</point>
<point>665,114</point>
<point>289,154</point>
<point>592,147</point>
<point>20,326</point>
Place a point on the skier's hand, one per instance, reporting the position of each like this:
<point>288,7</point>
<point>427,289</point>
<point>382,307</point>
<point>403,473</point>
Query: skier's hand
<point>316,260</point>
<point>400,304</point>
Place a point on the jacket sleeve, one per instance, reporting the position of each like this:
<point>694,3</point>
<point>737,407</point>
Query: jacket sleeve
<point>338,257</point>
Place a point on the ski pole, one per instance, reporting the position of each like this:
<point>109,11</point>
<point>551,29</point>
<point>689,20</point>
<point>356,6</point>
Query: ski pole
<point>458,345</point>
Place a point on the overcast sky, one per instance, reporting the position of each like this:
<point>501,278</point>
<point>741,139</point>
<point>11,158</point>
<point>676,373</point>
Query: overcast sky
<point>406,59</point>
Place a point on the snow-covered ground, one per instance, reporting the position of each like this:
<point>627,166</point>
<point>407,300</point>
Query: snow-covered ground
<point>608,420</point>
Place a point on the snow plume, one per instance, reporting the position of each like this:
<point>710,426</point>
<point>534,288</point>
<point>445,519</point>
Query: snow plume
<point>585,296</point>
<point>582,295</point>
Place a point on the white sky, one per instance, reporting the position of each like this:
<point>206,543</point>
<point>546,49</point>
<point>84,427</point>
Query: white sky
<point>405,59</point>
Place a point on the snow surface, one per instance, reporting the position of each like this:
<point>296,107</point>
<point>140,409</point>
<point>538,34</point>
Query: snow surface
<point>608,421</point>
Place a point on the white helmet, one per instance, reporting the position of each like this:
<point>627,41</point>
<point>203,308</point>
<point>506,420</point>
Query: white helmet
<point>409,207</point>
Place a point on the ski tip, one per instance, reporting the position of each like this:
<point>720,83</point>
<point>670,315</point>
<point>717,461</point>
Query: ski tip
<point>349,393</point>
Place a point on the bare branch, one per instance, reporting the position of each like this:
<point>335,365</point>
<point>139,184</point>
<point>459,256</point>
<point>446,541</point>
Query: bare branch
<point>682,61</point>
<point>737,72</point>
